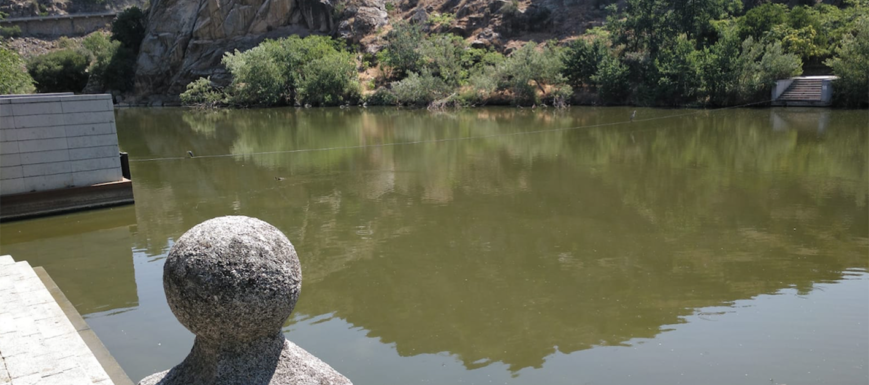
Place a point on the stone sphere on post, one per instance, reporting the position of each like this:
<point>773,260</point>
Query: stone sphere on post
<point>233,278</point>
<point>233,281</point>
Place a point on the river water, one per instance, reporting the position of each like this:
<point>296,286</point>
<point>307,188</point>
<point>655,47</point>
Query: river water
<point>504,246</point>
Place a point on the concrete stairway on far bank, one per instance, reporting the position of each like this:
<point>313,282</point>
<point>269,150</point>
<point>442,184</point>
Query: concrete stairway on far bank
<point>803,90</point>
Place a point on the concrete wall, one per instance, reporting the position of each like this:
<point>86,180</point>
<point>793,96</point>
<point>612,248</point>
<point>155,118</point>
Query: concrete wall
<point>62,25</point>
<point>780,87</point>
<point>58,141</point>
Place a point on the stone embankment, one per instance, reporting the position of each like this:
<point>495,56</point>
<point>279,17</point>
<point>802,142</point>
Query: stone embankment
<point>41,343</point>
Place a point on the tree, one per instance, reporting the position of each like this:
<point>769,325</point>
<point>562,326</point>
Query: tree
<point>851,65</point>
<point>677,68</point>
<point>402,54</point>
<point>581,60</point>
<point>129,28</point>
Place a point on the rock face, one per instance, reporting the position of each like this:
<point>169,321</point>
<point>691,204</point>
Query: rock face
<point>186,39</point>
<point>233,281</point>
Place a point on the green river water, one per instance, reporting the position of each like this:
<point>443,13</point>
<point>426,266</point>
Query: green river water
<point>501,245</point>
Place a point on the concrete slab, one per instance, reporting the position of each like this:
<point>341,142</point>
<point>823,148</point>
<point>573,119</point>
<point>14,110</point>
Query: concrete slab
<point>43,339</point>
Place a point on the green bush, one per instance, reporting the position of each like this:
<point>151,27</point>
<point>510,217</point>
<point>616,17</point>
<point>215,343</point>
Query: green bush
<point>382,97</point>
<point>13,31</point>
<point>129,28</point>
<point>110,62</point>
<point>581,60</point>
<point>316,69</point>
<point>677,67</point>
<point>201,93</point>
<point>59,71</point>
<point>612,78</point>
<point>329,80</point>
<point>401,55</point>
<point>851,65</point>
<point>257,79</point>
<point>420,89</point>
<point>530,69</point>
<point>14,78</point>
<point>443,55</point>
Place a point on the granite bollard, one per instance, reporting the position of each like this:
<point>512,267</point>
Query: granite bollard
<point>233,281</point>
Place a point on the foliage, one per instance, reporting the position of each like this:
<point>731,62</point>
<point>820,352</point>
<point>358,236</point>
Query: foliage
<point>510,7</point>
<point>581,60</point>
<point>316,69</point>
<point>13,31</point>
<point>257,78</point>
<point>441,19</point>
<point>420,89</point>
<point>111,62</point>
<point>851,65</point>
<point>677,72</point>
<point>202,93</point>
<point>382,97</point>
<point>443,55</point>
<point>14,79</point>
<point>329,80</point>
<point>129,28</point>
<point>529,69</point>
<point>59,71</point>
<point>612,78</point>
<point>401,55</point>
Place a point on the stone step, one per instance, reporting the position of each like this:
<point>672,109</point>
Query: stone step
<point>40,345</point>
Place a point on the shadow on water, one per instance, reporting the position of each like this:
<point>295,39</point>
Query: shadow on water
<point>501,247</point>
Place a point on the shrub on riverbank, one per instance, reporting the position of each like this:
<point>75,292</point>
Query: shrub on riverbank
<point>14,78</point>
<point>313,70</point>
<point>650,52</point>
<point>59,71</point>
<point>851,65</point>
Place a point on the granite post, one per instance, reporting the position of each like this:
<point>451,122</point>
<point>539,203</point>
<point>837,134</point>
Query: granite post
<point>233,281</point>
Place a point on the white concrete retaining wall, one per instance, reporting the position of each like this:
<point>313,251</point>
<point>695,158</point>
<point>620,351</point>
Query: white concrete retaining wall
<point>57,141</point>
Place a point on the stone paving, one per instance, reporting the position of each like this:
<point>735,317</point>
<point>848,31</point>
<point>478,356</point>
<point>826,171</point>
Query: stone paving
<point>38,343</point>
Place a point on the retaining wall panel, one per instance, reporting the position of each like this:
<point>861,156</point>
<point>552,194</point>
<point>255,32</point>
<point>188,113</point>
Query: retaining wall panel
<point>24,109</point>
<point>94,164</point>
<point>93,152</point>
<point>41,169</point>
<point>40,133</point>
<point>48,182</point>
<point>6,121</point>
<point>38,121</point>
<point>87,106</point>
<point>91,141</point>
<point>12,186</point>
<point>11,172</point>
<point>37,145</point>
<point>90,129</point>
<point>10,160</point>
<point>9,148</point>
<point>57,141</point>
<point>40,157</point>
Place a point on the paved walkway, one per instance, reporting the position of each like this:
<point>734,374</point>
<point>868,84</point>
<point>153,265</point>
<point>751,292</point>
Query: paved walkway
<point>38,343</point>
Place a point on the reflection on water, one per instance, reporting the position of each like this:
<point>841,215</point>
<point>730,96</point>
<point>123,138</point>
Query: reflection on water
<point>488,250</point>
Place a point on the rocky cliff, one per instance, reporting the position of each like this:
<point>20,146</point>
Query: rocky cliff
<point>186,39</point>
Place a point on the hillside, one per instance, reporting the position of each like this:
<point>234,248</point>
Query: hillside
<point>32,8</point>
